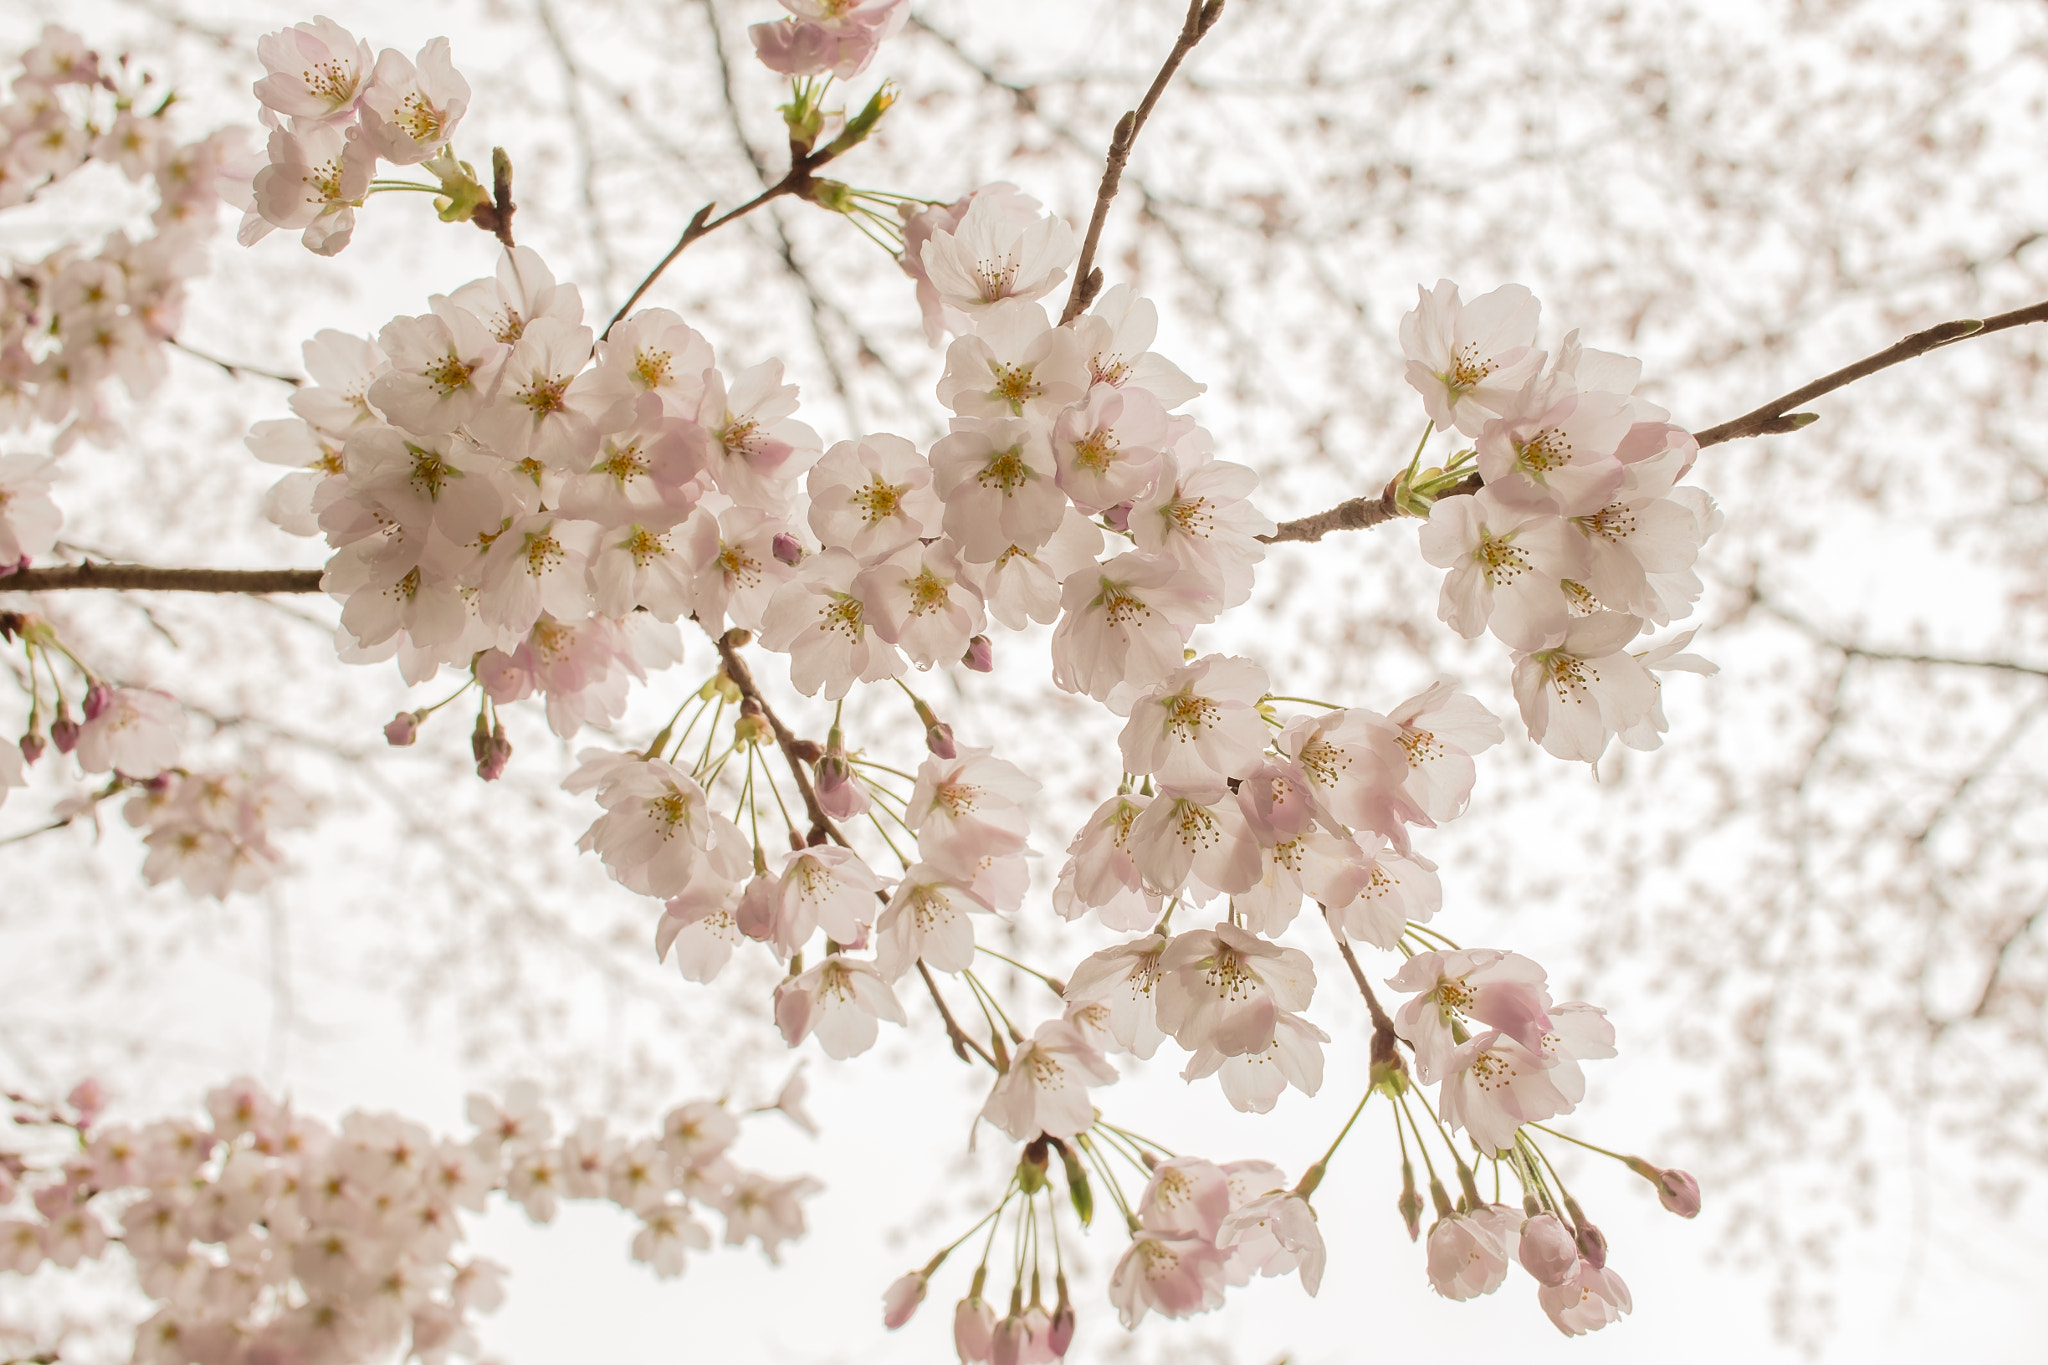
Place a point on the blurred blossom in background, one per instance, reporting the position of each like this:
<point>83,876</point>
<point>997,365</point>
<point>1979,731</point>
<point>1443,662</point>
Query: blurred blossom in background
<point>1814,915</point>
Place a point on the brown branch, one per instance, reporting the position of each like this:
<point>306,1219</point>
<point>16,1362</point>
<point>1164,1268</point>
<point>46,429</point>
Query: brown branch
<point>1355,515</point>
<point>1892,656</point>
<point>234,369</point>
<point>1386,1051</point>
<point>961,1042</point>
<point>146,578</point>
<point>1202,15</point>
<point>1777,416</point>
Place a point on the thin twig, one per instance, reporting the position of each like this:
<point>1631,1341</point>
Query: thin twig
<point>146,578</point>
<point>1894,656</point>
<point>962,1044</point>
<point>1202,15</point>
<point>235,369</point>
<point>1777,416</point>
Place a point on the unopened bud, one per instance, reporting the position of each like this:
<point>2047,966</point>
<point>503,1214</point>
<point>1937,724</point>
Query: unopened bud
<point>980,655</point>
<point>1079,1191</point>
<point>786,547</point>
<point>32,745</point>
<point>939,739</point>
<point>840,793</point>
<point>402,729</point>
<point>64,734</point>
<point>1031,1166</point>
<point>1007,1345</point>
<point>1410,1203</point>
<point>497,753</point>
<point>1548,1250</point>
<point>901,1299</point>
<point>1389,1072</point>
<point>752,730</point>
<point>1061,1336</point>
<point>1676,1190</point>
<point>96,699</point>
<point>1592,1245</point>
<point>88,1097</point>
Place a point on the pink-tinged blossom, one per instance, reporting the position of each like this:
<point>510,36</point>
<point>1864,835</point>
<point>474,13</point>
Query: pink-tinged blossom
<point>972,801</point>
<point>1274,1234</point>
<point>1553,449</point>
<point>1584,688</point>
<point>1470,360</point>
<point>1641,552</point>
<point>537,564</point>
<point>841,1000</point>
<point>1493,1085</point>
<point>581,667</point>
<point>443,364</point>
<point>1355,766</point>
<point>700,927</point>
<point>1108,448</point>
<point>136,734</point>
<point>901,1298</point>
<point>1254,1081</point>
<point>667,1234</point>
<point>919,600</point>
<point>211,831</point>
<point>1187,1196</point>
<point>872,496</point>
<point>974,1326</point>
<point>1124,623</point>
<point>755,449</point>
<point>411,107</point>
<point>1099,873</point>
<point>735,572</point>
<point>405,581</point>
<point>824,887</point>
<point>771,1211</point>
<point>1175,1277</point>
<point>1578,1032</point>
<point>522,292</point>
<point>1399,888</point>
<point>1196,845</point>
<point>652,352</point>
<point>534,415</point>
<point>1122,981</point>
<point>416,482</point>
<point>1330,869</point>
<point>1116,336</point>
<point>1225,989</point>
<point>317,72</point>
<point>1024,585</point>
<point>1468,1253</point>
<point>641,567</point>
<point>818,620</point>
<point>1200,514</point>
<point>29,519</point>
<point>1501,990</point>
<point>1547,1250</point>
<point>657,832</point>
<point>1590,1300</point>
<point>1506,564</point>
<point>1014,363</point>
<point>343,367</point>
<point>1441,729</point>
<point>315,180</point>
<point>927,921</point>
<point>1002,248</point>
<point>996,478</point>
<point>839,36</point>
<point>1199,726</point>
<point>1045,1089</point>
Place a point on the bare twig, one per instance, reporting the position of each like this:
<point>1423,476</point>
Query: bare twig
<point>962,1044</point>
<point>235,369</point>
<point>1778,416</point>
<point>147,578</point>
<point>1895,656</point>
<point>1202,16</point>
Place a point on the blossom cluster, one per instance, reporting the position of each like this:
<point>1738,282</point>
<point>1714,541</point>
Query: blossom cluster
<point>333,113</point>
<point>261,1233</point>
<point>1203,1226</point>
<point>77,318</point>
<point>839,37</point>
<point>1581,535</point>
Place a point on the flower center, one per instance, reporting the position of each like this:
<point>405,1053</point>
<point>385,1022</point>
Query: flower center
<point>447,374</point>
<point>879,500</point>
<point>1005,471</point>
<point>1014,384</point>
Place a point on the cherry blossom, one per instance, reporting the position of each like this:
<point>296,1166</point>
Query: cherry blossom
<point>1108,449</point>
<point>1199,513</point>
<point>443,364</point>
<point>1045,1088</point>
<point>1100,874</point>
<point>734,570</point>
<point>1277,1233</point>
<point>1254,1080</point>
<point>927,921</point>
<point>657,832</point>
<point>839,36</point>
<point>315,180</point>
<point>135,732</point>
<point>1199,726</point>
<point>1553,449</point>
<point>996,477</point>
<point>652,352</point>
<point>841,1000</point>
<point>824,627</point>
<point>1442,729</point>
<point>1013,364</point>
<point>29,518</point>
<point>1123,982</point>
<point>1329,868</point>
<point>1175,1277</point>
<point>1493,1085</point>
<point>1502,990</point>
<point>317,72</point>
<point>1024,585</point>
<point>872,496</point>
<point>1001,248</point>
<point>823,887</point>
<point>1225,989</point>
<point>1591,1299</point>
<point>1116,335</point>
<point>755,448</point>
<point>1506,564</point>
<point>1200,845</point>
<point>1582,690</point>
<point>1124,623</point>
<point>1469,1252</point>
<point>920,600</point>
<point>411,107</point>
<point>1470,360</point>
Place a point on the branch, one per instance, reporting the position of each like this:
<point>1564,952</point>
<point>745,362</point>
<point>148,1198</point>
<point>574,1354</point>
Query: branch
<point>145,578</point>
<point>1202,15</point>
<point>1895,656</point>
<point>961,1042</point>
<point>785,739</point>
<point>234,369</point>
<point>1777,416</point>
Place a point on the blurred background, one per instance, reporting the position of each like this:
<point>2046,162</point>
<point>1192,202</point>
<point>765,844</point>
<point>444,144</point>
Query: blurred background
<point>1815,915</point>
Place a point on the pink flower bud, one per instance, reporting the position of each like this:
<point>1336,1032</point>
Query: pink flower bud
<point>839,794</point>
<point>1548,1251</point>
<point>1062,1334</point>
<point>88,1097</point>
<point>786,547</point>
<point>980,655</point>
<point>974,1326</point>
<point>64,734</point>
<point>1679,1192</point>
<point>755,914</point>
<point>96,698</point>
<point>939,739</point>
<point>1007,1347</point>
<point>402,729</point>
<point>901,1299</point>
<point>1592,1245</point>
<point>497,753</point>
<point>32,745</point>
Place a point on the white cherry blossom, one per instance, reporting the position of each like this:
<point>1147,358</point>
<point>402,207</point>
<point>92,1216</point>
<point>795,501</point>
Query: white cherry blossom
<point>316,72</point>
<point>823,625</point>
<point>1116,335</point>
<point>841,1000</point>
<point>1199,726</point>
<point>1045,1089</point>
<point>1123,623</point>
<point>1100,874</point>
<point>1013,364</point>
<point>1254,1081</point>
<point>1108,448</point>
<point>1003,247</point>
<point>1585,688</point>
<point>1506,564</point>
<point>29,518</point>
<point>872,496</point>
<point>1123,981</point>
<point>1470,360</point>
<point>136,732</point>
<point>920,600</point>
<point>1276,1233</point>
<point>996,476</point>
<point>1225,989</point>
<point>1200,514</point>
<point>411,107</point>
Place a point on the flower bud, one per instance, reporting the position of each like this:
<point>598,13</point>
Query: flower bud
<point>752,730</point>
<point>32,745</point>
<point>754,916</point>
<point>497,754</point>
<point>980,655</point>
<point>1118,517</point>
<point>64,734</point>
<point>96,698</point>
<point>1679,1192</point>
<point>1410,1203</point>
<point>1548,1251</point>
<point>840,795</point>
<point>901,1299</point>
<point>974,1325</point>
<point>1061,1336</point>
<point>939,739</point>
<point>1592,1245</point>
<point>88,1097</point>
<point>1031,1167</point>
<point>402,729</point>
<point>1007,1346</point>
<point>786,547</point>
